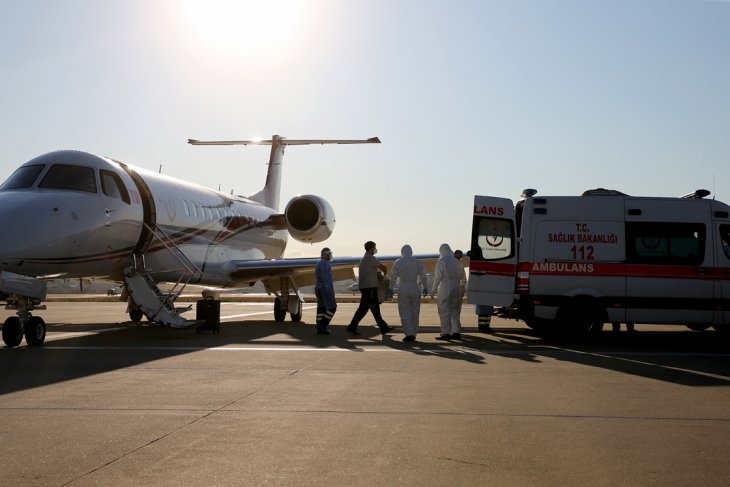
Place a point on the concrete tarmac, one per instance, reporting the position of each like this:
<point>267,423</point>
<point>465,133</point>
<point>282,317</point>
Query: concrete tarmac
<point>108,402</point>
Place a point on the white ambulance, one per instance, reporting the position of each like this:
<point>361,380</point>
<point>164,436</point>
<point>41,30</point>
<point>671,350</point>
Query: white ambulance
<point>578,262</point>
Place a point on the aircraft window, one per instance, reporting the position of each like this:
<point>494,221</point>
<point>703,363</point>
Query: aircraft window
<point>209,213</point>
<point>217,213</point>
<point>74,178</point>
<point>23,177</point>
<point>113,187</point>
<point>185,207</point>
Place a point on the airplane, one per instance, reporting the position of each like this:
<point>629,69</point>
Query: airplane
<point>72,214</point>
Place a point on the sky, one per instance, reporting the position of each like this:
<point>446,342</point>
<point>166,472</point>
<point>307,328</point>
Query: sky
<point>468,97</point>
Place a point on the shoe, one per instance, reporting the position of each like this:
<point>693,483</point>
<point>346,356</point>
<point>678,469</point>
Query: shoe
<point>456,336</point>
<point>386,329</point>
<point>443,337</point>
<point>409,338</point>
<point>352,332</point>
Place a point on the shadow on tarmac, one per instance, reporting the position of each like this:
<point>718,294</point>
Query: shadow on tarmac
<point>688,358</point>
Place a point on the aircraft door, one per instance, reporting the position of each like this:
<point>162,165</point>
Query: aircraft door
<point>493,256</point>
<point>122,217</point>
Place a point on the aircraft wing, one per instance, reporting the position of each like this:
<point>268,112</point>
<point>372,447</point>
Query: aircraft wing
<point>301,270</point>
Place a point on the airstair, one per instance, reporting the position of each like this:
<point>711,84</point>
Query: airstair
<point>158,305</point>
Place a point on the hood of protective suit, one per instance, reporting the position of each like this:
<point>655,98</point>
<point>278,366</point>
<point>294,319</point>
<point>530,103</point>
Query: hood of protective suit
<point>445,250</point>
<point>406,251</point>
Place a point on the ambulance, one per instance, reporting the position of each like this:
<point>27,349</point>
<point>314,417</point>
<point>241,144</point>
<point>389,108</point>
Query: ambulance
<point>578,262</point>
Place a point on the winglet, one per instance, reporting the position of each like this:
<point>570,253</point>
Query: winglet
<point>374,140</point>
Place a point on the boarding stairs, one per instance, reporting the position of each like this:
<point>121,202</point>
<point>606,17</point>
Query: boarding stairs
<point>156,304</point>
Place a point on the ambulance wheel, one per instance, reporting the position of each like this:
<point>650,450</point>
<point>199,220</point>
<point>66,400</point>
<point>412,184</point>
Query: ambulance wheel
<point>279,312</point>
<point>698,327</point>
<point>35,331</point>
<point>538,324</point>
<point>581,318</point>
<point>296,317</point>
<point>12,332</point>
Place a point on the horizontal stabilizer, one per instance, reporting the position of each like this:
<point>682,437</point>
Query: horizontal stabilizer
<point>283,141</point>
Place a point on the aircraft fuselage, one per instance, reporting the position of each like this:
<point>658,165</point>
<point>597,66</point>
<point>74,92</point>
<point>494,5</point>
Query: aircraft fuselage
<point>74,214</point>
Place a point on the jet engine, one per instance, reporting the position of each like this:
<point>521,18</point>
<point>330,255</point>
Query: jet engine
<point>309,218</point>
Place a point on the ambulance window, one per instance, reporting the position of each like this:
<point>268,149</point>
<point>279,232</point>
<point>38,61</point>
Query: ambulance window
<point>23,177</point>
<point>113,187</point>
<point>725,239</point>
<point>73,178</point>
<point>492,239</point>
<point>665,243</point>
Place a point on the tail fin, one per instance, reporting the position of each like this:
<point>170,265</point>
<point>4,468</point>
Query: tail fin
<point>269,195</point>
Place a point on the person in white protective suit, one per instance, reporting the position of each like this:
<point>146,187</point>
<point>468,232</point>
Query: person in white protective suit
<point>449,277</point>
<point>409,275</point>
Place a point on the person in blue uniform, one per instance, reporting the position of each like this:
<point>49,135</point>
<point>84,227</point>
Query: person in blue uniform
<point>325,292</point>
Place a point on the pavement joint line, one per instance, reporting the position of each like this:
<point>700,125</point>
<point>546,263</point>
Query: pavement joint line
<point>386,349</point>
<point>228,409</point>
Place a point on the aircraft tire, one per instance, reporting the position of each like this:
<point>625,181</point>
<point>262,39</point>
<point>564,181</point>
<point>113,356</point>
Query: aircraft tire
<point>279,312</point>
<point>296,317</point>
<point>12,332</point>
<point>136,315</point>
<point>35,331</point>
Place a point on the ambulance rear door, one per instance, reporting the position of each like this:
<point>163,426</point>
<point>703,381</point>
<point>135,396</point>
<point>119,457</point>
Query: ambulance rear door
<point>493,261</point>
<point>722,316</point>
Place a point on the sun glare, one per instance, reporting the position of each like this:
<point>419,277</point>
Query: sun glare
<point>247,27</point>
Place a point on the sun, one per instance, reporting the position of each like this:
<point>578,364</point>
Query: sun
<point>247,27</point>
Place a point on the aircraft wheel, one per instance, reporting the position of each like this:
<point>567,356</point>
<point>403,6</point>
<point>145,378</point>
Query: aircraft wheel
<point>136,315</point>
<point>698,327</point>
<point>35,331</point>
<point>12,332</point>
<point>279,312</point>
<point>296,317</point>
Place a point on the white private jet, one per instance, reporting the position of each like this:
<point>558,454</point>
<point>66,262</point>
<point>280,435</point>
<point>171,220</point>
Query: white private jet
<point>70,214</point>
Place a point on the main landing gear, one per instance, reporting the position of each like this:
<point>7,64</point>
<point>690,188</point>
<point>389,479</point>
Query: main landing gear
<point>294,308</point>
<point>33,327</point>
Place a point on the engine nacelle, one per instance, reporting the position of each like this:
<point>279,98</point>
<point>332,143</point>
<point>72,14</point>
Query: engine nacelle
<point>309,218</point>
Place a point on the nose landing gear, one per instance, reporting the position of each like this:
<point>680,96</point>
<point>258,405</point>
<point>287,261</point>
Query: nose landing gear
<point>33,327</point>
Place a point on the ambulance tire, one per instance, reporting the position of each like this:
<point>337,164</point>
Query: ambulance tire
<point>581,318</point>
<point>698,327</point>
<point>538,324</point>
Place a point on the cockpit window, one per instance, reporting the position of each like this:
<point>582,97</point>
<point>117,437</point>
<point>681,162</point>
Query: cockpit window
<point>23,177</point>
<point>112,186</point>
<point>74,178</point>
